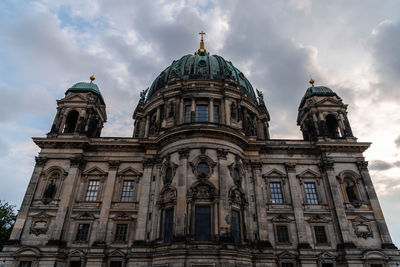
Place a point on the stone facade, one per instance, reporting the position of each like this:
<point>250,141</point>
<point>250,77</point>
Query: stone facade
<point>200,183</point>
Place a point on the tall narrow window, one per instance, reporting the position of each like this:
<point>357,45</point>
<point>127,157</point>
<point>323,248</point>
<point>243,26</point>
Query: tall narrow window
<point>276,192</point>
<point>320,235</point>
<point>287,264</point>
<point>168,175</point>
<point>25,264</point>
<point>282,234</point>
<point>116,264</point>
<point>93,190</point>
<point>120,232</point>
<point>127,191</point>
<point>311,193</point>
<point>75,264</point>
<point>83,232</point>
<point>236,226</point>
<point>201,113</point>
<point>188,114</point>
<point>330,264</point>
<point>202,223</point>
<point>168,225</point>
<point>236,176</point>
<point>216,114</point>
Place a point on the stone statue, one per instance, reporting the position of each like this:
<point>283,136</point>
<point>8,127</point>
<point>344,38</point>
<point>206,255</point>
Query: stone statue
<point>260,95</point>
<point>50,190</point>
<point>143,94</point>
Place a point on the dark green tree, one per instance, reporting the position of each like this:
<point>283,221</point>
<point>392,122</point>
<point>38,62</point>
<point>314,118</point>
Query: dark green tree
<point>6,222</point>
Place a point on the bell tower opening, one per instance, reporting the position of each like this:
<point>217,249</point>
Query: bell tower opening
<point>332,125</point>
<point>71,122</point>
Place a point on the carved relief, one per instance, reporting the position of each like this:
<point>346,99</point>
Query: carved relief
<point>40,223</point>
<point>167,196</point>
<point>362,227</point>
<point>203,190</point>
<point>202,159</point>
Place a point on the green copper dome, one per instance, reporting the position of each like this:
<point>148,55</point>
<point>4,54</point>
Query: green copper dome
<point>86,87</point>
<point>201,66</point>
<point>317,91</point>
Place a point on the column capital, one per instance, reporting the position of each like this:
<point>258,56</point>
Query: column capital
<point>222,153</point>
<point>290,166</point>
<point>113,164</point>
<point>362,165</point>
<point>149,162</point>
<point>256,165</point>
<point>40,161</point>
<point>326,164</point>
<point>78,162</point>
<point>183,153</point>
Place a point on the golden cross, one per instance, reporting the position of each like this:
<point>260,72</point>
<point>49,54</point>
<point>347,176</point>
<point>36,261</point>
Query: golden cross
<point>202,33</point>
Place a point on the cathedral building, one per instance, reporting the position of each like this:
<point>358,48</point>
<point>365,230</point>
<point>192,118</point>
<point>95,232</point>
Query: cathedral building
<point>200,183</point>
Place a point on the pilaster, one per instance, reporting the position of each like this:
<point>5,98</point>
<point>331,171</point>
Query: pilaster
<point>27,201</point>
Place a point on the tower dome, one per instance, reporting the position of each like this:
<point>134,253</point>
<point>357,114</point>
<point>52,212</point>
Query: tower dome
<point>202,66</point>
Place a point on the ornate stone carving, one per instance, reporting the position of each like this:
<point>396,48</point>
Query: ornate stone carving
<point>237,196</point>
<point>222,153</point>
<point>326,164</point>
<point>362,165</point>
<point>290,166</point>
<point>40,161</point>
<point>184,153</point>
<point>202,191</point>
<point>113,164</point>
<point>167,196</point>
<point>78,162</point>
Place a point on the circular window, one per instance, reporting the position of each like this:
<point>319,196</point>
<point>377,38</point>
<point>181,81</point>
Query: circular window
<point>168,175</point>
<point>203,169</point>
<point>236,176</point>
<point>202,63</point>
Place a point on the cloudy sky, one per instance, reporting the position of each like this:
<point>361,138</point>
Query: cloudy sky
<point>350,46</point>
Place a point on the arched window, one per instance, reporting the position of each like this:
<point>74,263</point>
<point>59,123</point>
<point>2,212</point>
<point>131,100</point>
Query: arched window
<point>203,169</point>
<point>72,120</point>
<point>332,125</point>
<point>168,175</point>
<point>236,176</point>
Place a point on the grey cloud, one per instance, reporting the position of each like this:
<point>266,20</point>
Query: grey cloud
<point>380,165</point>
<point>4,148</point>
<point>384,45</point>
<point>397,141</point>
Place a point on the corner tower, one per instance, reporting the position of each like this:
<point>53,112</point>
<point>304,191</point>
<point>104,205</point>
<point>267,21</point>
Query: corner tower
<point>322,114</point>
<point>82,112</point>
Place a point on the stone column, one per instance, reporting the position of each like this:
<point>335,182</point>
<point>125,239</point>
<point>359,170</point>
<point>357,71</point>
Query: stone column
<point>158,114</point>
<point>101,230</point>
<point>223,112</point>
<point>66,197</point>
<point>224,211</point>
<point>193,114</point>
<point>376,208</point>
<point>297,205</point>
<point>180,227</point>
<point>27,201</point>
<point>144,196</point>
<point>327,167</point>
<point>211,110</point>
<point>227,112</point>
<point>181,111</point>
<point>261,205</point>
<point>146,130</point>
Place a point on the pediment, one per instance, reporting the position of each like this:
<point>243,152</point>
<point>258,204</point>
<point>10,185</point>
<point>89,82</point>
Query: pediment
<point>281,218</point>
<point>329,101</point>
<point>121,216</point>
<point>85,216</point>
<point>317,219</point>
<point>116,253</point>
<point>361,219</point>
<point>129,172</point>
<point>27,251</point>
<point>42,215</point>
<point>326,255</point>
<point>73,97</point>
<point>274,173</point>
<point>95,171</point>
<point>76,253</point>
<point>374,255</point>
<point>286,255</point>
<point>308,174</point>
<point>55,169</point>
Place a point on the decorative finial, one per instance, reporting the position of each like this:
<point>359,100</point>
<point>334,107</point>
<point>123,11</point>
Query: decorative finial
<point>311,81</point>
<point>92,78</point>
<point>202,41</point>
